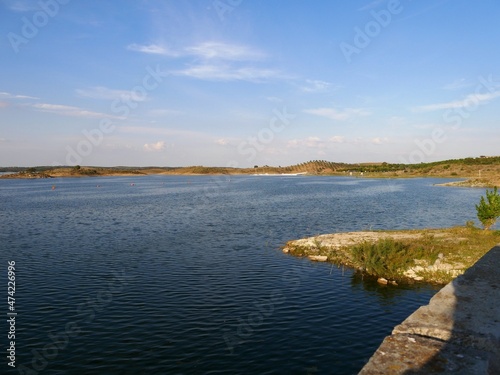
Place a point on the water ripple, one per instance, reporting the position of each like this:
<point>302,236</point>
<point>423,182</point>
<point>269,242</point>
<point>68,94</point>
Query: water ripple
<point>183,275</point>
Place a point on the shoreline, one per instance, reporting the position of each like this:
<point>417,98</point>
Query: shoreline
<point>434,255</point>
<point>483,171</point>
<point>463,181</point>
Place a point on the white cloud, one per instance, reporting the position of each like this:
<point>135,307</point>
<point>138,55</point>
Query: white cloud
<point>222,142</point>
<point>338,115</point>
<point>65,110</point>
<point>471,100</point>
<point>207,50</point>
<point>309,142</point>
<point>7,95</point>
<point>152,49</point>
<point>224,72</point>
<point>100,92</point>
<point>152,147</point>
<point>379,140</point>
<point>216,61</point>
<point>225,51</point>
<point>337,139</point>
<point>315,86</point>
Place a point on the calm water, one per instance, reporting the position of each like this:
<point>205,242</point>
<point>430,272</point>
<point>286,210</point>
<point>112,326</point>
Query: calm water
<point>184,275</point>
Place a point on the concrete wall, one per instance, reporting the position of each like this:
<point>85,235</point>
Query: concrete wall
<point>458,332</point>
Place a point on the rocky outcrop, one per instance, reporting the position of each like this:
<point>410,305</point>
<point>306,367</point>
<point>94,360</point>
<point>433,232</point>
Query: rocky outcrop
<point>335,248</point>
<point>440,265</point>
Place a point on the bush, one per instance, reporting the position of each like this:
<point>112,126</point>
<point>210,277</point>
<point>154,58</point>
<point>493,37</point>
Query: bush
<point>385,257</point>
<point>488,210</point>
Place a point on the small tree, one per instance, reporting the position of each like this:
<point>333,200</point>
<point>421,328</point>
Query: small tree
<point>488,210</point>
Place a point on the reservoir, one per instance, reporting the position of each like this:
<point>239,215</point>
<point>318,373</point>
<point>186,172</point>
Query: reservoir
<point>184,274</point>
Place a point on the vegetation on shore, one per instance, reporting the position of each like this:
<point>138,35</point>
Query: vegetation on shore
<point>431,255</point>
<point>479,172</point>
<point>434,255</point>
<point>488,210</point>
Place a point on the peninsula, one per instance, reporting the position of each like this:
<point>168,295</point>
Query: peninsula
<point>430,255</point>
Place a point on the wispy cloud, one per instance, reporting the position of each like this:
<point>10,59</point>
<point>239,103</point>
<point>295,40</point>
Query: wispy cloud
<point>209,50</point>
<point>314,142</point>
<point>338,115</point>
<point>21,5</point>
<point>308,142</point>
<point>457,84</point>
<point>225,72</point>
<point>104,93</point>
<point>153,49</point>
<point>216,61</point>
<point>65,110</point>
<point>222,141</point>
<point>152,147</point>
<point>225,51</point>
<point>379,140</point>
<point>471,100</point>
<point>337,139</point>
<point>315,86</point>
<point>6,95</point>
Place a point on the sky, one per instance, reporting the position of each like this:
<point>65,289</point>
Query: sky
<point>247,82</point>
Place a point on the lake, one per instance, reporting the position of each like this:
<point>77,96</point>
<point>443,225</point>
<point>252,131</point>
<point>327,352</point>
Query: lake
<point>184,274</point>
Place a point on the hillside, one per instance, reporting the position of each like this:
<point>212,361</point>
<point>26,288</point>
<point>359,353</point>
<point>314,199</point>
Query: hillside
<point>479,172</point>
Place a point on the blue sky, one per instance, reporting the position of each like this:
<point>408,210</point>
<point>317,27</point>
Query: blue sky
<point>243,83</point>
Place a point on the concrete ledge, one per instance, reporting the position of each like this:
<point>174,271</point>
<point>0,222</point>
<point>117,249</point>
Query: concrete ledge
<point>458,332</point>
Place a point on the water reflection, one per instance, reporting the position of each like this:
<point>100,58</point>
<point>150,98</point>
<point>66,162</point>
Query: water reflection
<point>387,293</point>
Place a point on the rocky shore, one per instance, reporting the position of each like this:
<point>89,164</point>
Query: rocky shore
<point>473,182</point>
<point>442,262</point>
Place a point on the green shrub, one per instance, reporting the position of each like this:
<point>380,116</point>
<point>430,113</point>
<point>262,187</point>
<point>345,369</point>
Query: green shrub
<point>488,210</point>
<point>385,257</point>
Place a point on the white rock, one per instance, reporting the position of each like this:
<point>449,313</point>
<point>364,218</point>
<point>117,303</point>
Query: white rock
<point>381,280</point>
<point>318,258</point>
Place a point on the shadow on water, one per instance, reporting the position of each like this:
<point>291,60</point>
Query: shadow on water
<point>458,332</point>
<point>385,293</point>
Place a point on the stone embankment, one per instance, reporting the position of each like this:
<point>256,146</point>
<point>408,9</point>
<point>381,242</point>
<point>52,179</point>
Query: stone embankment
<point>458,332</point>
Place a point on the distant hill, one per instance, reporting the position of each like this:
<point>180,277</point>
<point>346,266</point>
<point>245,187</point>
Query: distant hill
<point>481,171</point>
